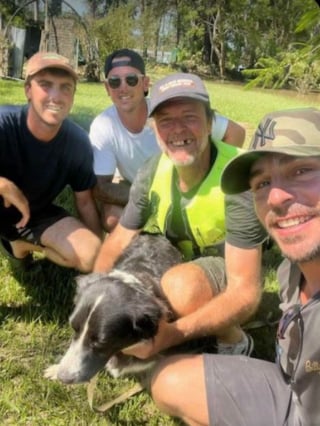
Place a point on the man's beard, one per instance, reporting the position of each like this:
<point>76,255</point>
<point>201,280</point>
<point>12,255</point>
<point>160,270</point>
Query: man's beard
<point>301,255</point>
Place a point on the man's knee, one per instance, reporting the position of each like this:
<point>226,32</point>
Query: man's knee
<point>110,216</point>
<point>110,223</point>
<point>83,260</point>
<point>69,243</point>
<point>178,388</point>
<point>164,386</point>
<point>187,288</point>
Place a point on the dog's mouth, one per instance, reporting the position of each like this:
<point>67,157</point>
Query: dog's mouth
<point>80,364</point>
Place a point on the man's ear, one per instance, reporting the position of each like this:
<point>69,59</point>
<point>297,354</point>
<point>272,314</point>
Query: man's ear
<point>106,87</point>
<point>27,88</point>
<point>146,83</point>
<point>210,122</point>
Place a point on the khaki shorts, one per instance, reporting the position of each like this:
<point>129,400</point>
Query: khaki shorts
<point>214,268</point>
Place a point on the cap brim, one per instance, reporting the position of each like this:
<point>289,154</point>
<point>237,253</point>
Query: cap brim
<point>182,95</point>
<point>57,66</point>
<point>236,174</point>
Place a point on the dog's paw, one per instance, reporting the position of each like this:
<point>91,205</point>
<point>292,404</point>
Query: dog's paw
<point>51,372</point>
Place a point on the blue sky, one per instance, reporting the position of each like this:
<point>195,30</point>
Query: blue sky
<point>78,5</point>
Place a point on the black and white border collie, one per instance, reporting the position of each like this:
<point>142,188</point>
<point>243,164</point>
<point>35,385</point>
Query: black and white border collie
<point>116,310</point>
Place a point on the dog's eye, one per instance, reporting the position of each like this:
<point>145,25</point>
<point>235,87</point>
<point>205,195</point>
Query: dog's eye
<point>93,341</point>
<point>76,329</point>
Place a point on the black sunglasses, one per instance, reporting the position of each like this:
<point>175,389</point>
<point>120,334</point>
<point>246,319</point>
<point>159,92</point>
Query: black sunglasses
<point>293,318</point>
<point>131,79</point>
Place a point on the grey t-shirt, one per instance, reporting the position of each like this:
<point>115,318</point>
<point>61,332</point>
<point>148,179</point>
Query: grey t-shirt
<point>242,226</point>
<point>298,346</point>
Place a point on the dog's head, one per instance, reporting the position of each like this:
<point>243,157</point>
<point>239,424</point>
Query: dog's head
<point>112,311</point>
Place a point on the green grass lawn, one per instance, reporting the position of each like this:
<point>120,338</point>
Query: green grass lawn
<point>34,306</point>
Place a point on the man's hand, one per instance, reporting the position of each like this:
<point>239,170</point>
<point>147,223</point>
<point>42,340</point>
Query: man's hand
<point>167,336</point>
<point>13,196</point>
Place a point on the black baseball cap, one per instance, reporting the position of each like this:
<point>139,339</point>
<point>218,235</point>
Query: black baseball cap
<point>130,58</point>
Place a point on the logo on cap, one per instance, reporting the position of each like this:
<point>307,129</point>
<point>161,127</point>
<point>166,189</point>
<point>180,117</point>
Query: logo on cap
<point>264,132</point>
<point>55,56</point>
<point>176,83</point>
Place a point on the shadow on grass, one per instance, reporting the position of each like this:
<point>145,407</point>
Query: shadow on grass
<point>263,325</point>
<point>49,290</point>
<point>266,319</point>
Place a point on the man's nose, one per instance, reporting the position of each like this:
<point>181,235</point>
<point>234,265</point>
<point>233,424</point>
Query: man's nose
<point>279,195</point>
<point>55,93</point>
<point>178,124</point>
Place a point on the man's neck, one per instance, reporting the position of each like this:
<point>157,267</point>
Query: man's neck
<point>40,130</point>
<point>191,176</point>
<point>311,282</point>
<point>136,119</point>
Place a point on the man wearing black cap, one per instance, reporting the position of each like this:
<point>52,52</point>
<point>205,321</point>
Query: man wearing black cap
<point>122,137</point>
<point>177,194</point>
<point>41,153</point>
<point>282,169</point>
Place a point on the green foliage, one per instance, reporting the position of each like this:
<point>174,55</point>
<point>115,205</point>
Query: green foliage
<point>115,30</point>
<point>296,68</point>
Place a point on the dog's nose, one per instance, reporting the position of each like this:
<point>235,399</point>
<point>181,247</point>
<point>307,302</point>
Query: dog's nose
<point>68,377</point>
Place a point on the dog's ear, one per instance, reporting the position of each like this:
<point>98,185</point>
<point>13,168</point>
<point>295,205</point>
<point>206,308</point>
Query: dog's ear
<point>146,324</point>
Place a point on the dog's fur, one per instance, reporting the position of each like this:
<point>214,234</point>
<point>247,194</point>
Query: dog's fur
<point>116,310</point>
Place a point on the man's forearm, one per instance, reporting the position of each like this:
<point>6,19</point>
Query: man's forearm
<point>112,193</point>
<point>213,318</point>
<point>89,216</point>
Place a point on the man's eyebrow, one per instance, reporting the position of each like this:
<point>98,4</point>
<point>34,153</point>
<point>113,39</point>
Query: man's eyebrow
<point>68,83</point>
<point>41,79</point>
<point>254,172</point>
<point>281,161</point>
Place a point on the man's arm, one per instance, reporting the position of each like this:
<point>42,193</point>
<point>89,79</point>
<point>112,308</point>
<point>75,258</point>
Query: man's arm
<point>235,134</point>
<point>233,306</point>
<point>112,247</point>
<point>12,195</point>
<point>87,211</point>
<point>107,191</point>
<point>237,303</point>
<point>228,131</point>
<point>133,219</point>
<point>243,256</point>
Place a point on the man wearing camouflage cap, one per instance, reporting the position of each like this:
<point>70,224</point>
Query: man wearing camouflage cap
<point>42,152</point>
<point>282,169</point>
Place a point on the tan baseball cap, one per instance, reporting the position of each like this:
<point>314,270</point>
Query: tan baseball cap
<point>178,85</point>
<point>42,60</point>
<point>293,132</point>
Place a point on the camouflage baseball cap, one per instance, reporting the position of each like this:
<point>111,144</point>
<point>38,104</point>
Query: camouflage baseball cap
<point>178,85</point>
<point>293,132</point>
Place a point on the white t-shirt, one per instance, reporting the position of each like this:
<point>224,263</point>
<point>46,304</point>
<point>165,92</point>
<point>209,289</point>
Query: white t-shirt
<point>114,147</point>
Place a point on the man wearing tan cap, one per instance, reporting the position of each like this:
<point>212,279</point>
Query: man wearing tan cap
<point>282,169</point>
<point>178,194</point>
<point>42,152</point>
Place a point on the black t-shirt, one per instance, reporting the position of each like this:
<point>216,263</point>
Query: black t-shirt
<point>42,169</point>
<point>243,228</point>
